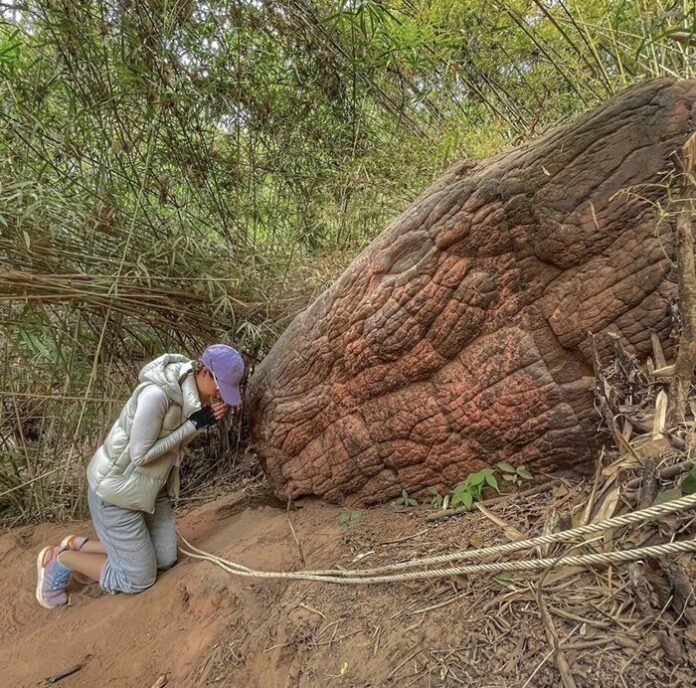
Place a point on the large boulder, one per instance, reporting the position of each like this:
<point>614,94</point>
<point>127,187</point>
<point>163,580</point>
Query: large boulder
<point>462,335</point>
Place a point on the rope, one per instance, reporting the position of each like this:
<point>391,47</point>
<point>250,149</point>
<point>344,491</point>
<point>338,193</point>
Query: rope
<point>468,554</point>
<point>497,567</point>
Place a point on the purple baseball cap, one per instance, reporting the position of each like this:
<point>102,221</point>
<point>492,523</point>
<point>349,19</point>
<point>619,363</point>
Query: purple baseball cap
<point>227,367</point>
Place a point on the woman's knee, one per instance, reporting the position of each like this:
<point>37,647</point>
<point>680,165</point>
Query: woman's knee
<point>166,561</point>
<point>133,583</point>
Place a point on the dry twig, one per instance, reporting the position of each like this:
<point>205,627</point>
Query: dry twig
<point>686,358</point>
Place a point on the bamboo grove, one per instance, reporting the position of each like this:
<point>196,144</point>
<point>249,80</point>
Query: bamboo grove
<point>176,172</point>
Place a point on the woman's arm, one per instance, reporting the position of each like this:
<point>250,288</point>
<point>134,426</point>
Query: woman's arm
<point>149,415</point>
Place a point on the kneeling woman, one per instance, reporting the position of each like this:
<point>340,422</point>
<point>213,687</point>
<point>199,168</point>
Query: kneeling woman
<point>135,471</point>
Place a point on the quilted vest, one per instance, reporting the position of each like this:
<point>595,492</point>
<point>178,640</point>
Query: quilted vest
<point>111,474</point>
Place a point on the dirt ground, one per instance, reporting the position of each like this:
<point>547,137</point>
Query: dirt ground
<point>200,626</point>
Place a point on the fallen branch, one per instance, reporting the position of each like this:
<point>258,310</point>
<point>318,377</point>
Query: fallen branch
<point>64,674</point>
<point>511,533</point>
<point>558,656</point>
<point>650,483</point>
<point>299,546</point>
<point>682,590</point>
<point>686,358</point>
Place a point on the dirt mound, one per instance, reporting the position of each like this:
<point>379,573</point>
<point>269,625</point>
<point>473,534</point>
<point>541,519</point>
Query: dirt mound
<point>202,627</point>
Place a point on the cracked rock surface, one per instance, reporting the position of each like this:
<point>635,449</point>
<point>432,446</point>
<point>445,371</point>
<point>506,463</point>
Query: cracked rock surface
<point>462,335</point>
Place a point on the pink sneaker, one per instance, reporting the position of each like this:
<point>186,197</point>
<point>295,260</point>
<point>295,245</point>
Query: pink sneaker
<point>53,578</point>
<point>73,542</point>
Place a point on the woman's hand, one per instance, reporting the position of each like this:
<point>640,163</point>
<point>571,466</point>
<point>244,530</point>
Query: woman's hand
<point>203,418</point>
<point>209,415</point>
<point>220,410</point>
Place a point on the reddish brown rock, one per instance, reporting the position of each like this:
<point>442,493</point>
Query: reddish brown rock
<point>461,336</point>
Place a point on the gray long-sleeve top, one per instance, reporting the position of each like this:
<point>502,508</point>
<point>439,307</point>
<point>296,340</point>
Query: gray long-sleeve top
<point>150,410</point>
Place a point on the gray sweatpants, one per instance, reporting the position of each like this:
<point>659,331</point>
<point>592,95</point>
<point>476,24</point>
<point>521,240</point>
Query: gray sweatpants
<point>137,544</point>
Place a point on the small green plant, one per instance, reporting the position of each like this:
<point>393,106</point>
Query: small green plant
<point>688,483</point>
<point>405,500</point>
<point>667,495</point>
<point>514,475</point>
<point>687,486</point>
<point>349,519</point>
<point>469,491</point>
<point>437,498</point>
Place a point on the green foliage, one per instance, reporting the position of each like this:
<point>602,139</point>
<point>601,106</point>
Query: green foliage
<point>404,500</point>
<point>514,475</point>
<point>10,50</point>
<point>437,499</point>
<point>688,483</point>
<point>469,491</point>
<point>349,519</point>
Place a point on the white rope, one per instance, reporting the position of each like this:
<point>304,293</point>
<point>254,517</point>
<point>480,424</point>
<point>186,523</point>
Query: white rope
<point>497,567</point>
<point>468,554</point>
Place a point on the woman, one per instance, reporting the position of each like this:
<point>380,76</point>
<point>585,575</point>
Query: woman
<point>135,471</point>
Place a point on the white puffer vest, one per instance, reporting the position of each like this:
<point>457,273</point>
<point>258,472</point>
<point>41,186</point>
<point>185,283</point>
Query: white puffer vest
<point>111,474</point>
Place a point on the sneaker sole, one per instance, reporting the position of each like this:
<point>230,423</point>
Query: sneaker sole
<point>65,542</point>
<point>40,576</point>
